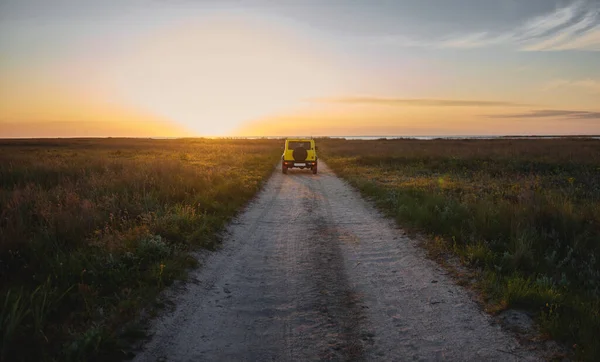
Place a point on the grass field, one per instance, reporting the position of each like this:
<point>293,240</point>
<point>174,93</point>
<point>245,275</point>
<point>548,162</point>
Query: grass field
<point>92,230</point>
<point>523,214</point>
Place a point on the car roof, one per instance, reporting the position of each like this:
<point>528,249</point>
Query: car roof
<point>300,139</point>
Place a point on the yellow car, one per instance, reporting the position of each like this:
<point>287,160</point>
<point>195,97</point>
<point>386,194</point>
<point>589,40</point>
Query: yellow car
<point>300,153</point>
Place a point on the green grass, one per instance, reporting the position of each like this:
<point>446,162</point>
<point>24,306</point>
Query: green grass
<point>524,214</point>
<point>92,230</point>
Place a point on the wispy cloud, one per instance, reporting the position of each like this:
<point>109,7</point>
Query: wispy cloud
<point>591,85</point>
<point>551,113</point>
<point>420,102</point>
<point>575,26</point>
<point>474,40</point>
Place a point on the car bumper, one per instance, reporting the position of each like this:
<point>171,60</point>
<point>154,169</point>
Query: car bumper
<point>305,164</point>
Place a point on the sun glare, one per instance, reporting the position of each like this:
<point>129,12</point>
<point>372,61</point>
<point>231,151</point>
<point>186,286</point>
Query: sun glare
<point>215,74</point>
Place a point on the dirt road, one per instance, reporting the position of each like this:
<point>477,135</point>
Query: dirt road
<point>310,271</point>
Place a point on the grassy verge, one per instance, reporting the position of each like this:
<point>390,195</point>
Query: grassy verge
<point>92,230</point>
<point>524,214</point>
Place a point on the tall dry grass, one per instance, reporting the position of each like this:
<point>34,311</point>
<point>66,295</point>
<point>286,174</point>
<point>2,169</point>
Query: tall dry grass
<point>91,230</point>
<point>525,213</point>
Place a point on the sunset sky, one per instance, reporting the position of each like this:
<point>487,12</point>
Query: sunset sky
<point>305,67</point>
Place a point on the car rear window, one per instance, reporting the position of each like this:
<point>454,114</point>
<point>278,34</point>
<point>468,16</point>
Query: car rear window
<point>295,144</point>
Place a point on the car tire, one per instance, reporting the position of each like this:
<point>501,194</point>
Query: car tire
<point>284,170</point>
<point>314,170</point>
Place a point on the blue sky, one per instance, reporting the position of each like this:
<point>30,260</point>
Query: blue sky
<point>522,66</point>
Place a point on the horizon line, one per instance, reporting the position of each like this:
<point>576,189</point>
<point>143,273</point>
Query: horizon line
<point>282,137</point>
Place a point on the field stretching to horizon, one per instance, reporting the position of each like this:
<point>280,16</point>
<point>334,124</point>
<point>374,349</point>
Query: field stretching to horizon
<point>92,230</point>
<point>523,214</point>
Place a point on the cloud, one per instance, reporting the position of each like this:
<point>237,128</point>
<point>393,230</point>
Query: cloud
<point>551,113</point>
<point>590,85</point>
<point>420,102</point>
<point>584,33</point>
<point>575,26</point>
<point>474,40</point>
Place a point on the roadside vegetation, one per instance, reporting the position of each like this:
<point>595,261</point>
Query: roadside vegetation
<point>523,214</point>
<point>92,230</point>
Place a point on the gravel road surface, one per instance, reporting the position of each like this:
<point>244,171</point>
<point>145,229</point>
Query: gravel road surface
<point>311,271</point>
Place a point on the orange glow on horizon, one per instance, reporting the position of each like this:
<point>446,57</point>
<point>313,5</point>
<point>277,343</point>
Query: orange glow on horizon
<point>240,75</point>
<point>368,120</point>
<point>213,75</point>
<point>207,76</point>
